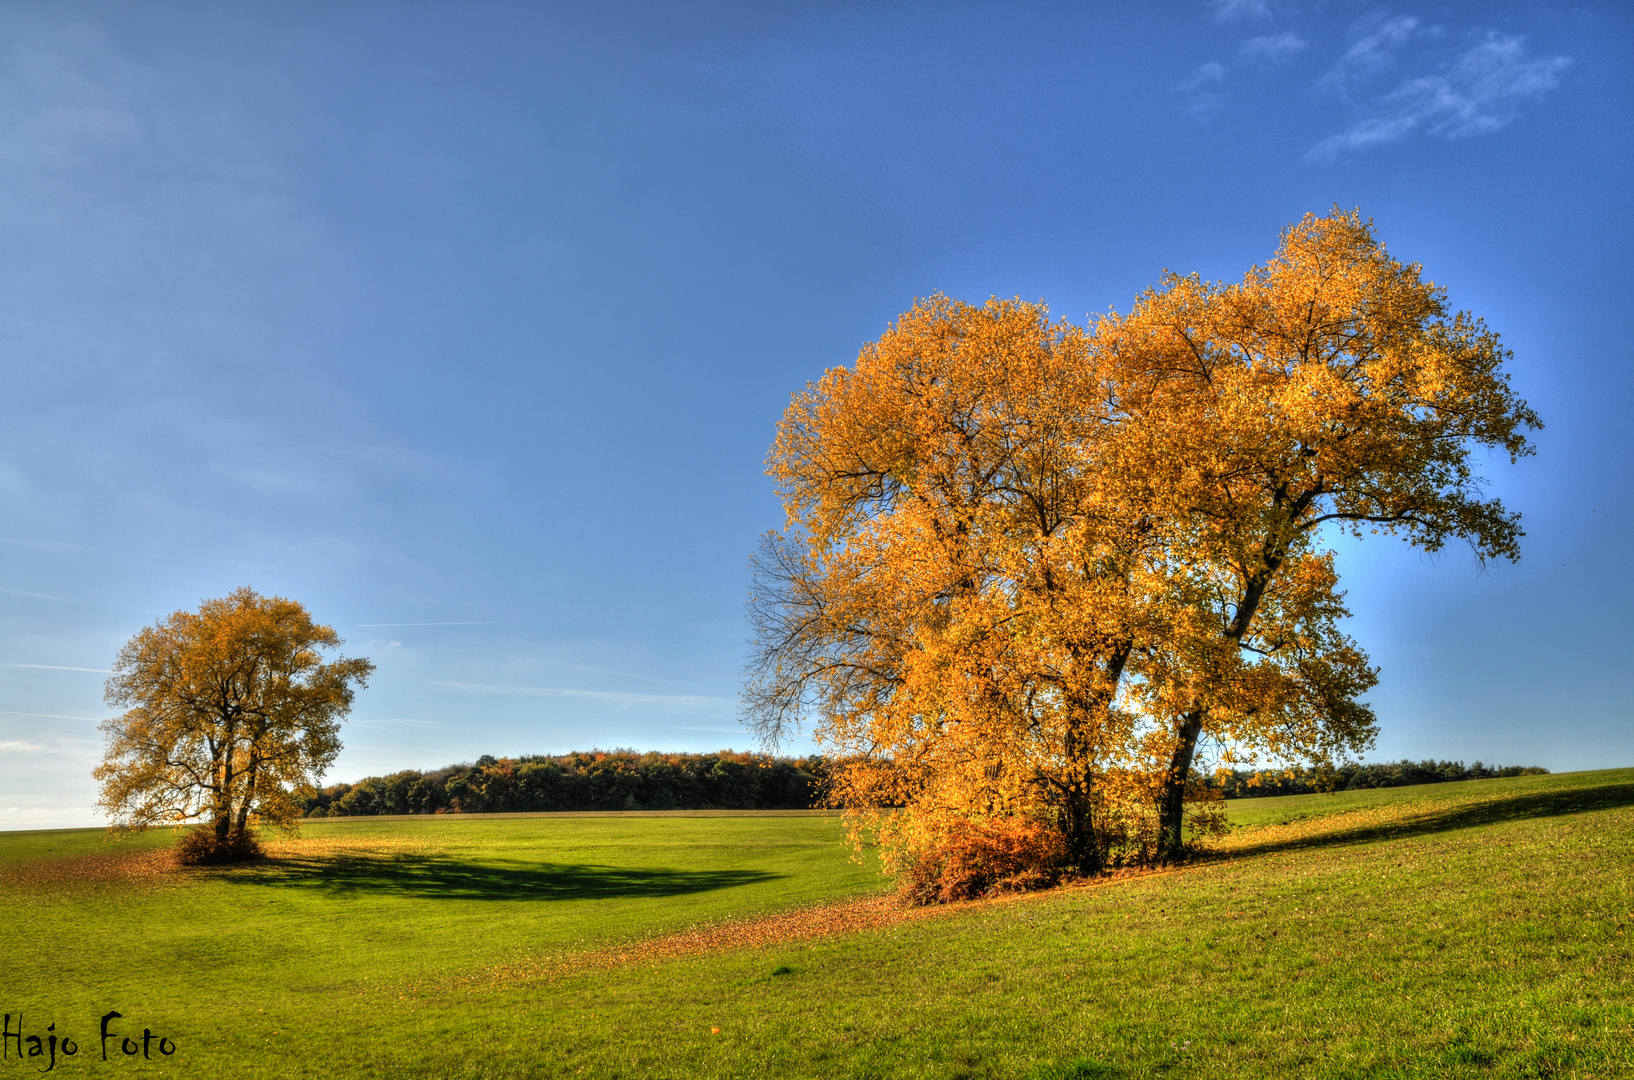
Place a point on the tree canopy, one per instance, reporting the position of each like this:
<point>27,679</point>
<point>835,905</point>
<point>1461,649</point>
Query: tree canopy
<point>231,713</point>
<point>1027,567</point>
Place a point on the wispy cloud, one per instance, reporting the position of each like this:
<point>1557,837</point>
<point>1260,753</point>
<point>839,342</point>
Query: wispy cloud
<point>39,596</point>
<point>677,700</point>
<point>59,667</point>
<point>1206,75</point>
<point>614,673</point>
<point>1396,75</point>
<point>41,545</point>
<point>80,603</point>
<point>52,716</point>
<point>478,622</point>
<point>1480,90</point>
<point>1271,48</point>
<point>394,723</point>
<point>1240,11</point>
<point>1204,101</point>
<point>1376,42</point>
<point>1265,50</point>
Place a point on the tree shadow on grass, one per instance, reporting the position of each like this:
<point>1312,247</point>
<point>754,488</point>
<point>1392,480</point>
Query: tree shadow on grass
<point>440,878</point>
<point>1487,811</point>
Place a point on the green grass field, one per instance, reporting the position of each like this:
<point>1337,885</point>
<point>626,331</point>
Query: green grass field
<point>1474,929</point>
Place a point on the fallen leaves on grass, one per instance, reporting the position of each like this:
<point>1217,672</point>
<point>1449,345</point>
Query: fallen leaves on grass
<point>305,848</point>
<point>100,869</point>
<point>122,867</point>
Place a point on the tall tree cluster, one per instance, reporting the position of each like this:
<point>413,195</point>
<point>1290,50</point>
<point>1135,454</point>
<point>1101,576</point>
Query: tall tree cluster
<point>1030,570</point>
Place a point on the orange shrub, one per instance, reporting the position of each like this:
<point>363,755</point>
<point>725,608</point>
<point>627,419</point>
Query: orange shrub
<point>978,858</point>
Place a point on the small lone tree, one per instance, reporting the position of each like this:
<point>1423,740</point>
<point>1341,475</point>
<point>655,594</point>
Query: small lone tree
<point>230,713</point>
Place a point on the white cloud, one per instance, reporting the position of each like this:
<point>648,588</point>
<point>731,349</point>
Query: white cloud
<point>483,622</point>
<point>1271,48</point>
<point>51,716</point>
<point>1204,103</point>
<point>1239,11</point>
<point>48,817</point>
<point>394,723</point>
<point>1375,42</point>
<point>42,545</point>
<point>59,667</point>
<point>60,745</point>
<point>1487,85</point>
<point>1202,107</point>
<point>1204,76</point>
<point>1264,50</point>
<point>38,596</point>
<point>683,700</point>
<point>1478,91</point>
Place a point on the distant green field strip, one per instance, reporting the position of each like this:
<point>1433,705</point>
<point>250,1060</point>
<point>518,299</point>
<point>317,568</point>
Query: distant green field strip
<point>1476,929</point>
<point>1286,809</point>
<point>19,845</point>
<point>319,822</point>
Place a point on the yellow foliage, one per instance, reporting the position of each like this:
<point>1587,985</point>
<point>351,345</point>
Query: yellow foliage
<point>1027,567</point>
<point>231,713</point>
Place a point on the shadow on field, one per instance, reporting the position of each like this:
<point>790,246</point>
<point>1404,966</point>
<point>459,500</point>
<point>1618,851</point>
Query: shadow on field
<point>438,878</point>
<point>1485,812</point>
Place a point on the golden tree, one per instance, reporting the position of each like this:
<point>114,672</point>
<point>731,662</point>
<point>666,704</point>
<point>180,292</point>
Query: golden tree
<point>1332,388</point>
<point>957,590</point>
<point>231,712</point>
<point>1027,568</point>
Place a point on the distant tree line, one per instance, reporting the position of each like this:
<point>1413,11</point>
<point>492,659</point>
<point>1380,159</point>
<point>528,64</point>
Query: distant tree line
<point>728,780</point>
<point>593,780</point>
<point>1251,784</point>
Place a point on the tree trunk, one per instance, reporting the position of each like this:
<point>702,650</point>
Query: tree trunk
<point>1078,823</point>
<point>1084,847</point>
<point>1171,808</point>
<point>223,808</point>
<point>249,797</point>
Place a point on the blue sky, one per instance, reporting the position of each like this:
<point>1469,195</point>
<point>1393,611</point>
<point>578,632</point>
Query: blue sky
<point>468,324</point>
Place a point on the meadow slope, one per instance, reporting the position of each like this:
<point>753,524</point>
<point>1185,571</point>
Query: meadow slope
<point>1473,929</point>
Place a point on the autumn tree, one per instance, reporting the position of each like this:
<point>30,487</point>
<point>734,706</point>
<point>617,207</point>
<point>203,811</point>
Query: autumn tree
<point>230,713</point>
<point>957,589</point>
<point>1333,388</point>
<point>1027,568</point>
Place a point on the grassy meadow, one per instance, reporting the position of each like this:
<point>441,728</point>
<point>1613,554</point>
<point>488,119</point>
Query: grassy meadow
<point>1477,929</point>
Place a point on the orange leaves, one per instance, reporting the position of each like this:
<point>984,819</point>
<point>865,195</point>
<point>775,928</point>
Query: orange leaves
<point>229,710</point>
<point>949,597</point>
<point>1027,567</point>
<point>965,860</point>
<point>934,417</point>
